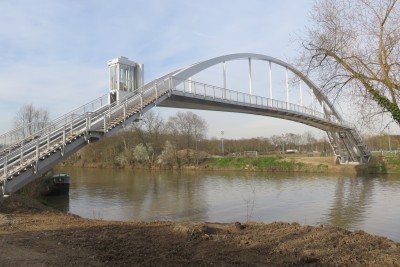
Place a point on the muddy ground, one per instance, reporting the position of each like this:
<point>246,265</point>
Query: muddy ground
<point>34,235</point>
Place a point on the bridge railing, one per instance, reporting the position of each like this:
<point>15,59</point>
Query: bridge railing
<point>149,91</point>
<point>220,94</point>
<point>17,150</point>
<point>77,122</point>
<point>20,136</point>
<point>235,97</point>
<point>28,154</point>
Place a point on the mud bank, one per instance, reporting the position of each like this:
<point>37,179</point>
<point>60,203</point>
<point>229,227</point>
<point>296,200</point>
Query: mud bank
<point>34,235</point>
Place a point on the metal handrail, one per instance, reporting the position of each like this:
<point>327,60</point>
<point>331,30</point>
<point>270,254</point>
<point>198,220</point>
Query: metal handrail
<point>55,134</point>
<point>223,94</point>
<point>13,138</point>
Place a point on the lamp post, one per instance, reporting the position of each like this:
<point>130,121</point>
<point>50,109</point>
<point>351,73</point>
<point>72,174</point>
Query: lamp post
<point>222,142</point>
<point>390,145</point>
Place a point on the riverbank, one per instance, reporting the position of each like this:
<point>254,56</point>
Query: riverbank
<point>271,163</point>
<point>32,234</point>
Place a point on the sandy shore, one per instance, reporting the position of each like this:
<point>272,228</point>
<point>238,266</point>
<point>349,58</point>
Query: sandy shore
<point>34,235</point>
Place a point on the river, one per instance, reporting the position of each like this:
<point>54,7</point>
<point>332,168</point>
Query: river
<point>368,203</point>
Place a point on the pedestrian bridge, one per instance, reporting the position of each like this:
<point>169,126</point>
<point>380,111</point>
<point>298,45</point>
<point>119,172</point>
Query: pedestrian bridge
<point>25,156</point>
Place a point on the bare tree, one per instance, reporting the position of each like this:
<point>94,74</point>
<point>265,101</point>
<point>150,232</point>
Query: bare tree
<point>308,140</point>
<point>31,119</point>
<point>353,47</point>
<point>150,131</point>
<point>187,126</point>
<point>278,141</point>
<point>292,140</point>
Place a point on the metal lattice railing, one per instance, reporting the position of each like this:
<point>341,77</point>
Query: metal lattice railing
<point>21,135</point>
<point>234,97</point>
<point>97,115</point>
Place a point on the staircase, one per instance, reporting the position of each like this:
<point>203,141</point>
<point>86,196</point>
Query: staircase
<point>24,159</point>
<point>348,146</point>
<point>363,148</point>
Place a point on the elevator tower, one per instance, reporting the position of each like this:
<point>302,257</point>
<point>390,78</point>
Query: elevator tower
<point>126,76</point>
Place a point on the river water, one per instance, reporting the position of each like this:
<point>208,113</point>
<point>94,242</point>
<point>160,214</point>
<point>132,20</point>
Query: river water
<point>369,203</point>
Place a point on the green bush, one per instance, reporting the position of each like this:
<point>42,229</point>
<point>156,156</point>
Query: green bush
<point>263,163</point>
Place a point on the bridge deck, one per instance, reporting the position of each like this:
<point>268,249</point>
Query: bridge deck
<point>180,99</point>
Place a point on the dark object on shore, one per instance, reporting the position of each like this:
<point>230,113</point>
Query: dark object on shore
<point>57,184</point>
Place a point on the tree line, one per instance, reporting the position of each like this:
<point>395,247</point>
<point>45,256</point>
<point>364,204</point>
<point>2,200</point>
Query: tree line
<point>181,139</point>
<point>152,140</point>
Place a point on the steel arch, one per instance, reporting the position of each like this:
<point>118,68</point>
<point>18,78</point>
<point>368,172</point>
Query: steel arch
<point>191,70</point>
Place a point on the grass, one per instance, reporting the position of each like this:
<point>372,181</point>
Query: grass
<point>395,170</point>
<point>322,166</point>
<point>385,163</point>
<point>271,163</point>
<point>393,160</point>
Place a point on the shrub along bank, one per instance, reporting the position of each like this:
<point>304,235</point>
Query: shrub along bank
<point>269,163</point>
<point>272,163</point>
<point>188,159</point>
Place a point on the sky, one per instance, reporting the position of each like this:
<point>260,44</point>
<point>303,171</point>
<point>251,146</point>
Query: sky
<point>53,54</point>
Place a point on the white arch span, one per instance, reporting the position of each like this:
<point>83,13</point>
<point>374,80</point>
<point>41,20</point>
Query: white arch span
<point>191,70</point>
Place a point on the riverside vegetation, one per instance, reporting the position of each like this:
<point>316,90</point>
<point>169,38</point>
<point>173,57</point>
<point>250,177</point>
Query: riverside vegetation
<point>180,143</point>
<point>186,159</point>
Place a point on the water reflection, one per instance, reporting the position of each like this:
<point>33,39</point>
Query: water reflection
<point>138,195</point>
<point>59,202</point>
<point>366,203</point>
<point>353,195</point>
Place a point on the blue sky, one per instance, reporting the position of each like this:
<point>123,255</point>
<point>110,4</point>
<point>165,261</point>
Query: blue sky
<point>54,54</point>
